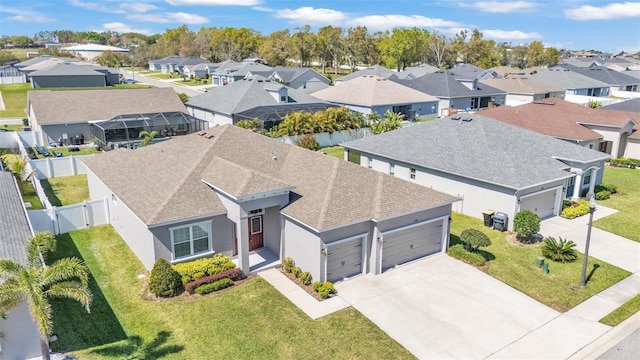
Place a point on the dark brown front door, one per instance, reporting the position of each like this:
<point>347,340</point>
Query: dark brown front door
<point>255,232</point>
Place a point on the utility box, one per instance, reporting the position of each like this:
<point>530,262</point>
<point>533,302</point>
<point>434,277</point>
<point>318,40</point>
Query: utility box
<point>500,221</point>
<point>488,217</point>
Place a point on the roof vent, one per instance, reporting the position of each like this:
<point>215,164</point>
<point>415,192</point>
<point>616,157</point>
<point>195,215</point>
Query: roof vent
<point>201,133</point>
<point>455,118</point>
<point>467,119</point>
<point>273,156</point>
<point>208,136</point>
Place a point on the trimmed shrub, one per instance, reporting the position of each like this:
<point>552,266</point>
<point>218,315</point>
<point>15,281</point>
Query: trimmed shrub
<point>624,162</point>
<point>459,252</point>
<point>603,195</point>
<point>324,289</point>
<point>526,224</point>
<point>296,271</point>
<point>288,264</point>
<point>308,142</point>
<point>234,274</point>
<point>305,278</point>
<point>474,239</point>
<point>576,209</point>
<point>316,285</point>
<point>194,270</point>
<point>214,286</point>
<point>608,187</point>
<point>164,281</point>
<point>560,250</point>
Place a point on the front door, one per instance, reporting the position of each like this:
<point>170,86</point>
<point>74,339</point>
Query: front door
<point>255,232</point>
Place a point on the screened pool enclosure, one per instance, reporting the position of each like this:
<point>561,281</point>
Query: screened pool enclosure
<point>124,130</point>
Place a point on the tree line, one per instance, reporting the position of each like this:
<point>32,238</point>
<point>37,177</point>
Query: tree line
<point>329,46</point>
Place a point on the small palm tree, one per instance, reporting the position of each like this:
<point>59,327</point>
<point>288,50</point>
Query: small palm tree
<point>36,283</point>
<point>147,137</point>
<point>18,167</point>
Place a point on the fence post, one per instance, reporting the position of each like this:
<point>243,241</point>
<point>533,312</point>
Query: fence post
<point>85,214</point>
<point>49,168</point>
<point>74,167</point>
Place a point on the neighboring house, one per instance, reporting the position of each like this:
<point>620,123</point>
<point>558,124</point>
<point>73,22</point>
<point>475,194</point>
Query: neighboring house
<point>230,72</point>
<point>23,64</point>
<point>305,79</point>
<point>10,74</point>
<point>231,191</point>
<point>375,70</point>
<point>414,72</point>
<point>255,97</point>
<point>92,51</point>
<point>200,70</point>
<point>44,63</point>
<point>156,65</point>
<point>178,67</point>
<point>486,163</point>
<point>67,115</point>
<point>66,75</point>
<point>616,80</point>
<point>572,82</point>
<point>373,94</point>
<point>633,140</point>
<point>522,90</point>
<point>20,336</point>
<point>470,73</point>
<point>508,71</point>
<point>603,130</point>
<point>456,93</point>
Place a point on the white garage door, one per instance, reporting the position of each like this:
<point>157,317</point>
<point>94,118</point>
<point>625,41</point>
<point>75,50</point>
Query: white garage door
<point>543,204</point>
<point>344,259</point>
<point>411,243</point>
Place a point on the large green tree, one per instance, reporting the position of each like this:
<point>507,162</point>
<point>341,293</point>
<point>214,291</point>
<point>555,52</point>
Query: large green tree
<point>404,47</point>
<point>303,43</point>
<point>235,43</point>
<point>330,45</point>
<point>276,48</point>
<point>37,283</point>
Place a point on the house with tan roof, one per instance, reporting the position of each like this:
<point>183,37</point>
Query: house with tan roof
<point>373,94</point>
<point>67,116</point>
<point>607,131</point>
<point>522,90</point>
<point>231,191</point>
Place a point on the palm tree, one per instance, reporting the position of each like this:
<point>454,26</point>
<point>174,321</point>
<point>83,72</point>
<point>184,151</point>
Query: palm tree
<point>147,136</point>
<point>36,283</point>
<point>18,167</point>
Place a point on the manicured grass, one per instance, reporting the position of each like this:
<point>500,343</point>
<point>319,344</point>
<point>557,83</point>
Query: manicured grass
<point>626,222</point>
<point>29,196</point>
<point>15,100</point>
<point>622,313</point>
<point>66,190</point>
<point>191,82</point>
<point>338,151</point>
<point>11,127</point>
<point>249,321</point>
<point>162,76</point>
<point>515,266</point>
<point>84,150</point>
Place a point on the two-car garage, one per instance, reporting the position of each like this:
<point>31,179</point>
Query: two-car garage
<point>543,203</point>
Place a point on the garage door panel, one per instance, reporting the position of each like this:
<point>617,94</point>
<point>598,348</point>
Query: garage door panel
<point>344,259</point>
<point>542,204</point>
<point>410,244</point>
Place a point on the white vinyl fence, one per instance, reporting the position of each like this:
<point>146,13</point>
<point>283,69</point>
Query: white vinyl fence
<point>55,167</point>
<point>327,139</point>
<point>63,219</point>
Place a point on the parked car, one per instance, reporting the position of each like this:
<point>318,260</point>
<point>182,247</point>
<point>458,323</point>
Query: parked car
<point>129,81</point>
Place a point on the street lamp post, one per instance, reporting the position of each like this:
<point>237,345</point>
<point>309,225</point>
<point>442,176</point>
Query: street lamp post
<point>592,208</point>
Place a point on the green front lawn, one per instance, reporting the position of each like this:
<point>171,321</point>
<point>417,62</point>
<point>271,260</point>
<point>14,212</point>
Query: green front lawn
<point>157,75</point>
<point>515,266</point>
<point>622,313</point>
<point>249,321</point>
<point>84,150</point>
<point>11,127</point>
<point>66,190</point>
<point>338,151</point>
<point>626,222</point>
<point>15,100</point>
<point>29,196</point>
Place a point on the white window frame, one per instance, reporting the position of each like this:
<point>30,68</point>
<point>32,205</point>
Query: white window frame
<point>259,217</point>
<point>204,224</point>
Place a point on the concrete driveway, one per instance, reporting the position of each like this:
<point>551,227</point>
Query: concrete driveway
<point>441,308</point>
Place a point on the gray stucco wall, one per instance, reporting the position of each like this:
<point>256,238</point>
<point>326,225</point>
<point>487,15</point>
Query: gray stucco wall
<point>68,81</point>
<point>21,338</point>
<point>53,132</point>
<point>331,236</point>
<point>271,229</point>
<point>303,245</point>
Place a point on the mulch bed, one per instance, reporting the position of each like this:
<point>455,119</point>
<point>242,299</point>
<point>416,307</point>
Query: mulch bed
<point>513,240</point>
<point>145,294</point>
<point>306,288</point>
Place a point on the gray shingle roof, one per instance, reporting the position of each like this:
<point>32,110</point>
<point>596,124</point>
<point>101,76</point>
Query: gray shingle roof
<point>69,106</point>
<point>375,70</point>
<point>15,230</point>
<point>164,182</point>
<point>245,94</point>
<point>567,79</point>
<point>414,72</point>
<point>67,69</point>
<point>240,69</point>
<point>627,105</point>
<point>444,84</point>
<point>521,85</point>
<point>607,75</point>
<point>483,148</point>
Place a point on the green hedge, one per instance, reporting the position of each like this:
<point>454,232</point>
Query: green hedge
<point>576,209</point>
<point>194,270</point>
<point>214,286</point>
<point>624,162</point>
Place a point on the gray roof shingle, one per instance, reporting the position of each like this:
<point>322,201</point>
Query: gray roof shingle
<point>483,148</point>
<point>67,69</point>
<point>567,79</point>
<point>164,182</point>
<point>15,230</point>
<point>445,84</point>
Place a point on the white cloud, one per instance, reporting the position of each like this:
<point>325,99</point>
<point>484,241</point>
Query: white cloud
<point>215,2</point>
<point>311,16</point>
<point>606,12</point>
<point>138,7</point>
<point>501,6</point>
<point>123,28</point>
<point>25,15</point>
<point>165,18</point>
<point>510,35</point>
<point>96,6</point>
<point>383,22</point>
<point>263,9</point>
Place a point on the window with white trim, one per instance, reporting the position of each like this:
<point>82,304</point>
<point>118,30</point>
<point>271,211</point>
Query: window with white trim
<point>587,178</point>
<point>191,240</point>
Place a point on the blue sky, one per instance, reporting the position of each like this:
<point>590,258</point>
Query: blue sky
<point>572,24</point>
